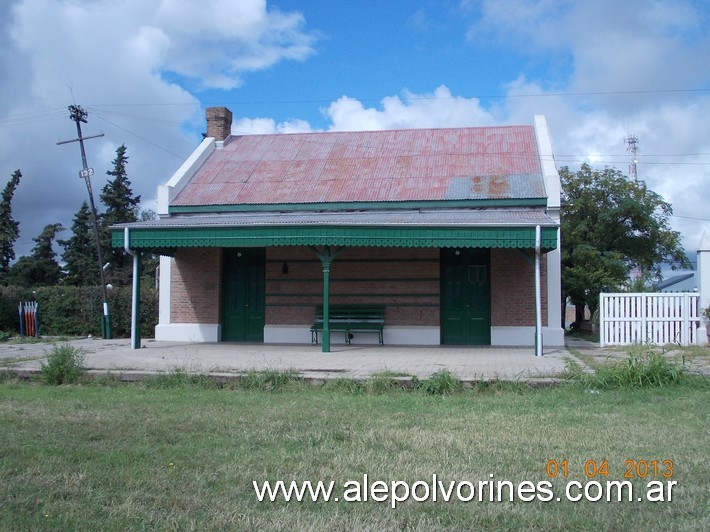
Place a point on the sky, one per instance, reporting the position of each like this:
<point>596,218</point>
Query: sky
<point>145,70</point>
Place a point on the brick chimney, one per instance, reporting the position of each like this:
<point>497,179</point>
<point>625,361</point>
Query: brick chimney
<point>219,122</point>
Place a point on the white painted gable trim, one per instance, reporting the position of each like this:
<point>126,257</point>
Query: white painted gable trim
<point>553,188</point>
<point>547,161</point>
<point>168,191</point>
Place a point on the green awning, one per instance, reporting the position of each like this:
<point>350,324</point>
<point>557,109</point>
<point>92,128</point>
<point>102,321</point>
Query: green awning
<point>421,228</point>
<point>164,239</point>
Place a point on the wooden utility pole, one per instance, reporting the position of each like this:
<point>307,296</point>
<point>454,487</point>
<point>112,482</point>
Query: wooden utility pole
<point>78,115</point>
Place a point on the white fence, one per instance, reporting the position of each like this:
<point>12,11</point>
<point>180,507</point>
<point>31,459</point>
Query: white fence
<point>664,318</point>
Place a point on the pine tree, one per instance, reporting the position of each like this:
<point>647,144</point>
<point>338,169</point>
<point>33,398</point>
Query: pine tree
<point>9,228</point>
<point>121,207</point>
<point>40,268</point>
<point>81,263</point>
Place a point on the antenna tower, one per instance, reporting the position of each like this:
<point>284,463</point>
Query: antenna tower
<point>632,146</point>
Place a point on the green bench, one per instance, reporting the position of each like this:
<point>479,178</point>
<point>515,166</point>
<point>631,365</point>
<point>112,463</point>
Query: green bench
<point>350,318</point>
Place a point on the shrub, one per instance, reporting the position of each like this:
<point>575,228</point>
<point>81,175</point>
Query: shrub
<point>443,382</point>
<point>644,368</point>
<point>380,383</point>
<point>65,365</point>
<point>76,310</point>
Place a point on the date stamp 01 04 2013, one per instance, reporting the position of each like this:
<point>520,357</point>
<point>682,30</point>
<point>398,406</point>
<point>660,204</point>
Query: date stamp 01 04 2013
<point>633,469</point>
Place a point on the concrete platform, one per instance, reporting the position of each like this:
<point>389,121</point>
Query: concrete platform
<point>468,363</point>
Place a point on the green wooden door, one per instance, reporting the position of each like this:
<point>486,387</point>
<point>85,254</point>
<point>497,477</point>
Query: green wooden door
<point>243,289</point>
<point>465,296</point>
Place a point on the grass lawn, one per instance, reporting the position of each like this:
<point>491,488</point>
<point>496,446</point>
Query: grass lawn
<point>136,457</point>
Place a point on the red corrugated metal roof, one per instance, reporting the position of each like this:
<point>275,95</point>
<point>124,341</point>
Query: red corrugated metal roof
<point>399,165</point>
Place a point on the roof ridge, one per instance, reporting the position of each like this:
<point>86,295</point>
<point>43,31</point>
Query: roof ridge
<point>374,131</point>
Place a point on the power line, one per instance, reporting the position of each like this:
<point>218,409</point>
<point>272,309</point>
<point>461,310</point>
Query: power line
<point>166,150</point>
<point>133,116</point>
<point>24,116</point>
<point>578,158</point>
<point>417,98</point>
<point>691,218</point>
<point>27,118</point>
<point>644,155</point>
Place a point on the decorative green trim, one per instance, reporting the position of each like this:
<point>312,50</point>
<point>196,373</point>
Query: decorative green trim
<point>365,236</point>
<point>358,206</point>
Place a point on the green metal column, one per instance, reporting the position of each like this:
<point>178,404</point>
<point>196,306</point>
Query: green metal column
<point>326,302</point>
<point>136,302</point>
<point>326,257</point>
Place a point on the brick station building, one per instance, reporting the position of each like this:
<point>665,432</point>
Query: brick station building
<point>454,232</point>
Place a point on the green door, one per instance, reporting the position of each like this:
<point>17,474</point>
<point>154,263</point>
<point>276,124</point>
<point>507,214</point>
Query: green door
<point>243,289</point>
<point>465,296</point>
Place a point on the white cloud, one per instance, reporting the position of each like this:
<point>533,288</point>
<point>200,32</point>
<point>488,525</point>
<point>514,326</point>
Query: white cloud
<point>215,41</point>
<point>138,51</point>
<point>116,59</point>
<point>669,134</point>
<point>147,48</point>
<point>612,46</point>
<point>580,133</point>
<point>437,109</point>
<point>267,126</point>
<point>622,57</point>
<point>518,24</point>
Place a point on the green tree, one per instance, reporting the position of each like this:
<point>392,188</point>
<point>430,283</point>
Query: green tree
<point>9,228</point>
<point>148,215</point>
<point>40,268</point>
<point>121,207</point>
<point>81,263</point>
<point>643,282</point>
<point>611,225</point>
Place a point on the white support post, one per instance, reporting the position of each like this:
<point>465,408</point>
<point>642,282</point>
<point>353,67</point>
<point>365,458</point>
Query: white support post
<point>554,329</point>
<point>538,294</point>
<point>605,329</point>
<point>703,285</point>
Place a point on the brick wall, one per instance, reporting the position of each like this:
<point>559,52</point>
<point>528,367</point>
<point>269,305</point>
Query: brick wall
<point>195,286</point>
<point>404,280</point>
<point>513,288</point>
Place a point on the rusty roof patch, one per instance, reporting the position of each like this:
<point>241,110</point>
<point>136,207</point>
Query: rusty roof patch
<point>495,187</point>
